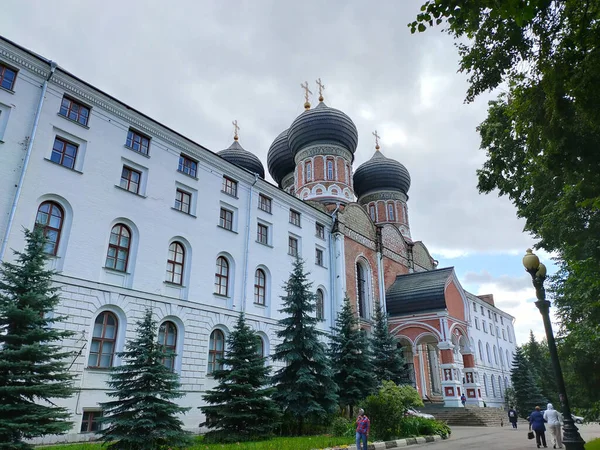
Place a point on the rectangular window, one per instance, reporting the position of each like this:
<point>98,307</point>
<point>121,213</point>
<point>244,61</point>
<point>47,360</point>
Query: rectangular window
<point>483,322</point>
<point>294,217</point>
<point>183,201</point>
<point>372,212</point>
<point>491,329</point>
<point>90,422</point>
<point>74,110</point>
<point>482,311</point>
<point>130,179</point>
<point>229,186</point>
<point>138,142</point>
<point>293,246</point>
<point>264,203</point>
<point>226,219</point>
<point>475,307</point>
<point>495,317</point>
<point>476,323</point>
<point>489,314</point>
<point>330,169</point>
<point>188,166</point>
<point>7,77</point>
<point>320,231</point>
<point>509,336</point>
<point>262,234</point>
<point>501,320</point>
<point>319,257</point>
<point>391,216</point>
<point>64,153</point>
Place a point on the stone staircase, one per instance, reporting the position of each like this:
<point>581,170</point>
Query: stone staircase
<point>470,416</point>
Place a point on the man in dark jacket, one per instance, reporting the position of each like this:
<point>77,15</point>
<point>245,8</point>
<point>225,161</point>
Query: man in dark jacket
<point>536,423</point>
<point>512,417</point>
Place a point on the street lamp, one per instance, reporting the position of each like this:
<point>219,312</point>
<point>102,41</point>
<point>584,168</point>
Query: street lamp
<point>571,438</point>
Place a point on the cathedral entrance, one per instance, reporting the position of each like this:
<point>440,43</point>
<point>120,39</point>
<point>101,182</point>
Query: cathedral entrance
<point>429,367</point>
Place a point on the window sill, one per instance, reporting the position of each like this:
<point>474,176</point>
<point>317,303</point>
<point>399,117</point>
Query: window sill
<point>225,297</point>
<point>229,195</point>
<point>263,244</point>
<point>183,212</point>
<point>115,271</point>
<point>64,167</point>
<point>73,121</point>
<point>265,211</point>
<point>294,256</point>
<point>173,285</point>
<point>260,305</point>
<point>137,152</point>
<point>186,174</point>
<point>98,369</point>
<point>295,224</point>
<point>321,266</point>
<point>131,192</point>
<point>10,91</point>
<point>227,229</point>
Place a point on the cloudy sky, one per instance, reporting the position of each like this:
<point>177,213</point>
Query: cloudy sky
<point>196,65</point>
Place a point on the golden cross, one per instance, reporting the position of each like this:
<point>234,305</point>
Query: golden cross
<point>235,130</point>
<point>321,88</point>
<point>306,90</point>
<point>377,137</point>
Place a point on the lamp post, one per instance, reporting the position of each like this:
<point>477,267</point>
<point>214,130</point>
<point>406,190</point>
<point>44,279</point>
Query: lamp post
<point>571,438</point>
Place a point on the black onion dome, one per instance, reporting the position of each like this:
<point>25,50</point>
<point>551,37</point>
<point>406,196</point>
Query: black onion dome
<point>237,155</point>
<point>280,160</point>
<point>381,174</point>
<point>323,125</point>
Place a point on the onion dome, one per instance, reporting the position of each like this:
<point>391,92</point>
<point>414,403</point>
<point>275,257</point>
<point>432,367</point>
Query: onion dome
<point>236,154</point>
<point>381,174</point>
<point>322,125</point>
<point>280,160</point>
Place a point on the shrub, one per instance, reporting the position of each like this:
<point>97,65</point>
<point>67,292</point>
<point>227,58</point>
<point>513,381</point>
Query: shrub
<point>419,426</point>
<point>341,426</point>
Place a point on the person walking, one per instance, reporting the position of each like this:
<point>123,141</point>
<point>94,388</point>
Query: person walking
<point>363,425</point>
<point>463,399</point>
<point>554,419</point>
<point>512,417</point>
<point>536,423</point>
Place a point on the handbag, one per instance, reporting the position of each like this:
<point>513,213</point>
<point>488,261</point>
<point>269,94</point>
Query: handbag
<point>530,435</point>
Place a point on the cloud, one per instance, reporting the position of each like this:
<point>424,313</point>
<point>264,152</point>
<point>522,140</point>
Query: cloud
<point>505,282</point>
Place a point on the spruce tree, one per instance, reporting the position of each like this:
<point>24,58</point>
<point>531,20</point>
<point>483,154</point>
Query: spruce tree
<point>527,391</point>
<point>143,417</point>
<point>538,355</point>
<point>33,363</point>
<point>388,362</point>
<point>241,405</point>
<point>351,359</point>
<point>305,389</point>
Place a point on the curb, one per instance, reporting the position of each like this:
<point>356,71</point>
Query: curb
<point>398,443</point>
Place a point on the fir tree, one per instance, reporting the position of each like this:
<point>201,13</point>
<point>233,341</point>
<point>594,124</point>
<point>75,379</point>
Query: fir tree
<point>351,359</point>
<point>527,392</point>
<point>305,388</point>
<point>241,405</point>
<point>33,363</point>
<point>388,362</point>
<point>143,417</point>
<point>538,355</point>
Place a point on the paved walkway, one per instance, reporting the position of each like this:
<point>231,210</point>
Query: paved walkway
<point>492,438</point>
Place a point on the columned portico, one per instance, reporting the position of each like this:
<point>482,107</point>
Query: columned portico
<point>451,384</point>
<point>471,384</point>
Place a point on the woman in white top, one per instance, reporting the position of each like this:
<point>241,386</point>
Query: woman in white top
<point>554,419</point>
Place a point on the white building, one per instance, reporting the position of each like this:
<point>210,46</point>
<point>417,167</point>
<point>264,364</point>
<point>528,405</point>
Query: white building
<point>138,216</point>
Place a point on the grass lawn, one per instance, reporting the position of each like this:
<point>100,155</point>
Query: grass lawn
<point>593,445</point>
<point>286,443</point>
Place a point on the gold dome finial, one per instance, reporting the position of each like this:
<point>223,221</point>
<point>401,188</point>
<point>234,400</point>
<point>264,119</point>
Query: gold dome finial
<point>321,89</point>
<point>236,128</point>
<point>306,92</point>
<point>376,140</point>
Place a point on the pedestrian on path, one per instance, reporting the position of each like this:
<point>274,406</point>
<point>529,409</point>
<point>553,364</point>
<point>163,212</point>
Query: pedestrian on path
<point>536,423</point>
<point>363,425</point>
<point>554,419</point>
<point>512,417</point>
<point>463,399</point>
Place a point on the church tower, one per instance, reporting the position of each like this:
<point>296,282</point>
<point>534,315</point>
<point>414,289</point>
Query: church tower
<point>381,185</point>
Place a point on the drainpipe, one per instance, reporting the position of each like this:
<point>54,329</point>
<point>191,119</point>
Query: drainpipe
<point>247,246</point>
<point>38,113</point>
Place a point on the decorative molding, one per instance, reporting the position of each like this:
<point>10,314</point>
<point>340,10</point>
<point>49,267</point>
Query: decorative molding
<point>322,149</point>
<point>382,195</point>
<point>355,236</point>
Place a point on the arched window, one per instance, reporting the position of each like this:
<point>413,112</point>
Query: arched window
<point>222,276</point>
<point>390,212</point>
<point>49,219</point>
<point>501,355</point>
<point>372,212</point>
<point>216,351</point>
<point>489,354</point>
<point>348,173</point>
<point>330,169</point>
<point>500,386</point>
<point>320,305</point>
<point>495,355</point>
<point>175,263</point>
<point>493,386</point>
<point>167,337</point>
<point>308,171</point>
<point>260,347</point>
<point>260,287</point>
<point>117,256</point>
<point>508,360</point>
<point>485,386</point>
<point>361,281</point>
<point>104,338</point>
<point>481,358</point>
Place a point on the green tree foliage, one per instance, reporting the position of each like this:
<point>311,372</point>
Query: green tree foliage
<point>526,391</point>
<point>538,355</point>
<point>541,137</point>
<point>305,389</point>
<point>388,362</point>
<point>351,359</point>
<point>33,363</point>
<point>387,408</point>
<point>241,407</point>
<point>143,417</point>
